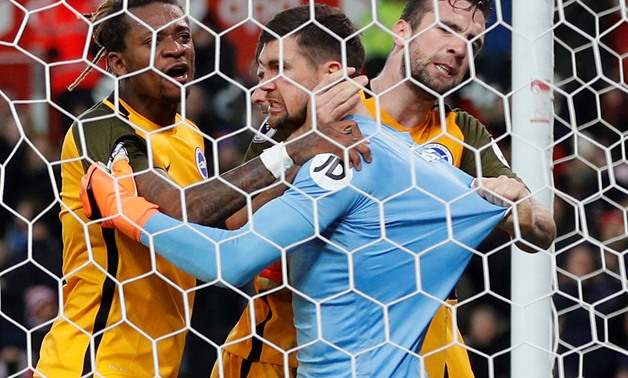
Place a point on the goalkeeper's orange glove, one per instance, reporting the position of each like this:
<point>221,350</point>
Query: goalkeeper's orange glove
<point>99,193</point>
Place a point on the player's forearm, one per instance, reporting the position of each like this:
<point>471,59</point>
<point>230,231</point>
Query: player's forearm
<point>213,201</point>
<point>241,217</point>
<point>195,256</point>
<point>536,226</point>
<point>157,188</point>
<point>210,202</point>
<point>542,230</point>
<point>530,222</point>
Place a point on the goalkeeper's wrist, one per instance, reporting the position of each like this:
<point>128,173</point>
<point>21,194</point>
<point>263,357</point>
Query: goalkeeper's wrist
<point>276,159</point>
<point>136,212</point>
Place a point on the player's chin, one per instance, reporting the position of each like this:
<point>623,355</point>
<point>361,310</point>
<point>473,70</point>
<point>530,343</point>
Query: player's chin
<point>172,93</point>
<point>443,89</point>
<point>291,124</point>
<point>277,120</point>
<point>448,85</point>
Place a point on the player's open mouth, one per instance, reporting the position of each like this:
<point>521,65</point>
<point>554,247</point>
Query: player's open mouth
<point>179,72</point>
<point>444,69</point>
<point>274,106</point>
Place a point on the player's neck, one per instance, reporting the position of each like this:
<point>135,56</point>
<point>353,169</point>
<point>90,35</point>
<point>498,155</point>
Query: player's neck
<point>161,113</point>
<point>360,109</point>
<point>401,102</point>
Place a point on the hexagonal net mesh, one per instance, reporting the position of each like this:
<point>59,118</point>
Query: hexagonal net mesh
<point>401,268</point>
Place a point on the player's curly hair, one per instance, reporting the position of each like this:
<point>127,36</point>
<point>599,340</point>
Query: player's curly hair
<point>316,42</point>
<point>414,10</point>
<point>111,27</point>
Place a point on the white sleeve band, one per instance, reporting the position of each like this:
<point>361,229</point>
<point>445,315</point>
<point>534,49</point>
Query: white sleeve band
<point>276,159</point>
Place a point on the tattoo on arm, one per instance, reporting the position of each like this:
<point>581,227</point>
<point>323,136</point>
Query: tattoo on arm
<point>210,202</point>
<point>241,217</point>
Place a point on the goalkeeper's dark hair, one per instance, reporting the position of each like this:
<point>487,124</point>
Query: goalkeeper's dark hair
<point>314,38</point>
<point>110,31</point>
<point>414,10</point>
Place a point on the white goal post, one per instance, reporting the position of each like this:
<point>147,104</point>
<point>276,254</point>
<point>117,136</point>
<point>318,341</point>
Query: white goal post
<point>532,133</point>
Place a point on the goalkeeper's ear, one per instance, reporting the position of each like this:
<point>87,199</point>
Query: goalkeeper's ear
<point>333,66</point>
<point>328,68</point>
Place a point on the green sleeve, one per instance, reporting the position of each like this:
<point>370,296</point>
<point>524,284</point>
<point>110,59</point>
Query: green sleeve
<point>97,134</point>
<point>480,143</point>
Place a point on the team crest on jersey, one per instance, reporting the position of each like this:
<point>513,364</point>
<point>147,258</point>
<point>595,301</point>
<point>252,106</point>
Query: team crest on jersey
<point>328,171</point>
<point>201,163</point>
<point>264,133</point>
<point>438,150</point>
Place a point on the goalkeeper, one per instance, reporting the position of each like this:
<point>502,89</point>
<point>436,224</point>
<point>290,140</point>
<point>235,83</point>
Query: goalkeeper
<point>413,105</point>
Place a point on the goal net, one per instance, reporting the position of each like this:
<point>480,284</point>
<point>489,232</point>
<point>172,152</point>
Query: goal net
<point>549,84</point>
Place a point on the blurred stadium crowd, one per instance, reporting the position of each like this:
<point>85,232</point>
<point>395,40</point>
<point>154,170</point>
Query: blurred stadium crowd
<point>590,177</point>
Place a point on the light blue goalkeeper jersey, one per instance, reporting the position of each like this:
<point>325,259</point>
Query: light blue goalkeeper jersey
<point>372,253</point>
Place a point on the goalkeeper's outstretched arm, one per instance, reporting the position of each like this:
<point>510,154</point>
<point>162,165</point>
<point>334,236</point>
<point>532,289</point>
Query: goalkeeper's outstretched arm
<point>210,253</point>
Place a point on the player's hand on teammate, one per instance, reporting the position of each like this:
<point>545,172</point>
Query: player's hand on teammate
<point>505,191</point>
<point>338,138</point>
<point>335,98</point>
<point>502,191</point>
<point>113,197</point>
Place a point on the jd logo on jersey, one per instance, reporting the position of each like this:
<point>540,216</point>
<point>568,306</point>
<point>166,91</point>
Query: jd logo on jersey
<point>328,171</point>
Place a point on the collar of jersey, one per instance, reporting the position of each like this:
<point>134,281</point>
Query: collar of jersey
<point>387,119</point>
<point>370,128</point>
<point>134,117</point>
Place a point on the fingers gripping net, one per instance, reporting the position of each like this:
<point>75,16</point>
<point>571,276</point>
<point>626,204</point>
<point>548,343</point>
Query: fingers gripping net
<point>580,104</point>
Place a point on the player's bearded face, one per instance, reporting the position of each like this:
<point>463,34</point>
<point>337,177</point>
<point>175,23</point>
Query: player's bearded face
<point>290,119</point>
<point>419,72</point>
<point>438,53</point>
<point>284,92</point>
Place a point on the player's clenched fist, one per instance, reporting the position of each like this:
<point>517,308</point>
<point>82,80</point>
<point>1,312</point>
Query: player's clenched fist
<point>114,196</point>
<point>505,191</point>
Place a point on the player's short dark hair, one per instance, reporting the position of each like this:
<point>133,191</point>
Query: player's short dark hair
<point>414,10</point>
<point>320,40</point>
